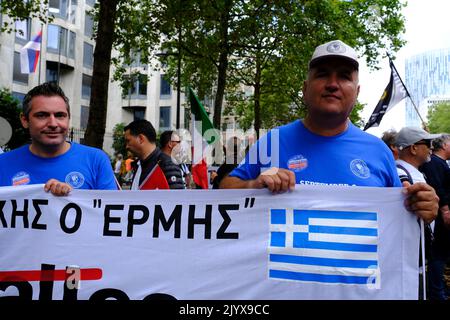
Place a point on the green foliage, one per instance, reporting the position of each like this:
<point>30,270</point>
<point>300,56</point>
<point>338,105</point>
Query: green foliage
<point>10,110</point>
<point>268,45</point>
<point>119,144</point>
<point>355,116</point>
<point>439,118</point>
<point>21,10</point>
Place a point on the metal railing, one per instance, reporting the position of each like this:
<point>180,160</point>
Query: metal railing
<point>77,135</point>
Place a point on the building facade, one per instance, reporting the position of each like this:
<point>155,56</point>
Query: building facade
<point>67,57</point>
<point>427,77</point>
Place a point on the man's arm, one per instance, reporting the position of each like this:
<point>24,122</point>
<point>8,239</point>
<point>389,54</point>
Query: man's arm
<point>275,179</point>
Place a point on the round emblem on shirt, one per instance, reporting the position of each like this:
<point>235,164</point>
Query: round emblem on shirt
<point>75,179</point>
<point>173,178</point>
<point>20,178</point>
<point>360,168</point>
<point>297,163</point>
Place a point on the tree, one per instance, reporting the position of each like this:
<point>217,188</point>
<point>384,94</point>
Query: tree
<point>10,110</point>
<point>20,10</point>
<point>268,44</point>
<point>439,118</point>
<point>98,103</point>
<point>119,144</point>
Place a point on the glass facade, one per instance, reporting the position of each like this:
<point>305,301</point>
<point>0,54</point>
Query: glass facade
<point>23,30</point>
<point>164,118</point>
<point>426,75</point>
<point>88,55</point>
<point>18,76</point>
<point>60,38</point>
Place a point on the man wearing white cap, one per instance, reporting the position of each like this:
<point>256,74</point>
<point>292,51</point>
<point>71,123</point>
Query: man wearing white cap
<point>414,145</point>
<point>325,147</point>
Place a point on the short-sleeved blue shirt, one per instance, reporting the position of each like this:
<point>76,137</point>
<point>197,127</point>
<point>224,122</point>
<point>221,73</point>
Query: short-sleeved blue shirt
<point>351,158</point>
<point>81,166</point>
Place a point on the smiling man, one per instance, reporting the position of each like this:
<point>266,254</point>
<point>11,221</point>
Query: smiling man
<point>325,148</point>
<point>50,159</point>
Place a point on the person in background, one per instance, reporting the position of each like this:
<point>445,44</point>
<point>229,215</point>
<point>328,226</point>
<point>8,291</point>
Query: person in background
<point>414,149</point>
<point>118,168</point>
<point>50,159</point>
<point>325,147</point>
<point>170,144</point>
<point>389,138</point>
<point>233,156</point>
<point>437,174</point>
<point>155,169</point>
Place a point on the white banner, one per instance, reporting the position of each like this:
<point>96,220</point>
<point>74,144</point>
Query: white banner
<point>313,243</point>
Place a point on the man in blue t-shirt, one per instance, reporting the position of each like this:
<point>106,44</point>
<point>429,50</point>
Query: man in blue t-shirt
<point>325,148</point>
<point>50,159</point>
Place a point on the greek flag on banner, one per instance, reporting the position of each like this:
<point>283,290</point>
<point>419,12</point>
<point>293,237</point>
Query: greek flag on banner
<point>335,247</point>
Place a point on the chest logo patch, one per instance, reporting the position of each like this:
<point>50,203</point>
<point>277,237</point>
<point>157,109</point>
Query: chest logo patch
<point>360,168</point>
<point>75,179</point>
<point>20,178</point>
<point>297,163</point>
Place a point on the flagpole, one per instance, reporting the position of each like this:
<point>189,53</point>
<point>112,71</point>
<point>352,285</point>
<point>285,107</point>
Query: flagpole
<point>40,54</point>
<point>407,92</point>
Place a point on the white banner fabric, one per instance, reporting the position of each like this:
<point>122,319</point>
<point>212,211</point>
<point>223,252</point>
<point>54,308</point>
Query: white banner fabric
<point>316,242</point>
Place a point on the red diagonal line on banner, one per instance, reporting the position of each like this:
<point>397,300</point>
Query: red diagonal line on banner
<point>48,275</point>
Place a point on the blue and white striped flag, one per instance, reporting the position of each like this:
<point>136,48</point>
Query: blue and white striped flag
<point>336,247</point>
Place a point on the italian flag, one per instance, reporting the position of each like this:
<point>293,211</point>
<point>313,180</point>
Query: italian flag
<point>203,135</point>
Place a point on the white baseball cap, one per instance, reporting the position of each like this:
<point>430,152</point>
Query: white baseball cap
<point>410,135</point>
<point>335,48</point>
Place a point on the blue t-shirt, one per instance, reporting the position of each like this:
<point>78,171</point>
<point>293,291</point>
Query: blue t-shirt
<point>81,166</point>
<point>351,158</point>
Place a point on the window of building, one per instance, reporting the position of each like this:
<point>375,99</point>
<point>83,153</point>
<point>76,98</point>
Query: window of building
<point>51,74</point>
<point>142,84</point>
<point>23,30</point>
<point>73,12</point>
<point>90,2</point>
<point>59,8</point>
<point>71,47</point>
<point>19,96</point>
<point>53,38</point>
<point>164,118</point>
<point>84,116</point>
<point>139,114</point>
<point>57,39</point>
<point>88,25</point>
<point>18,76</point>
<point>86,86</point>
<point>165,90</point>
<point>88,55</point>
<point>138,87</point>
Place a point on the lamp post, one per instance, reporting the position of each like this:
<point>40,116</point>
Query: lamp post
<point>178,90</point>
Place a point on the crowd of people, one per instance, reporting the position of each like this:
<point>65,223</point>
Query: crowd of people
<point>300,153</point>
